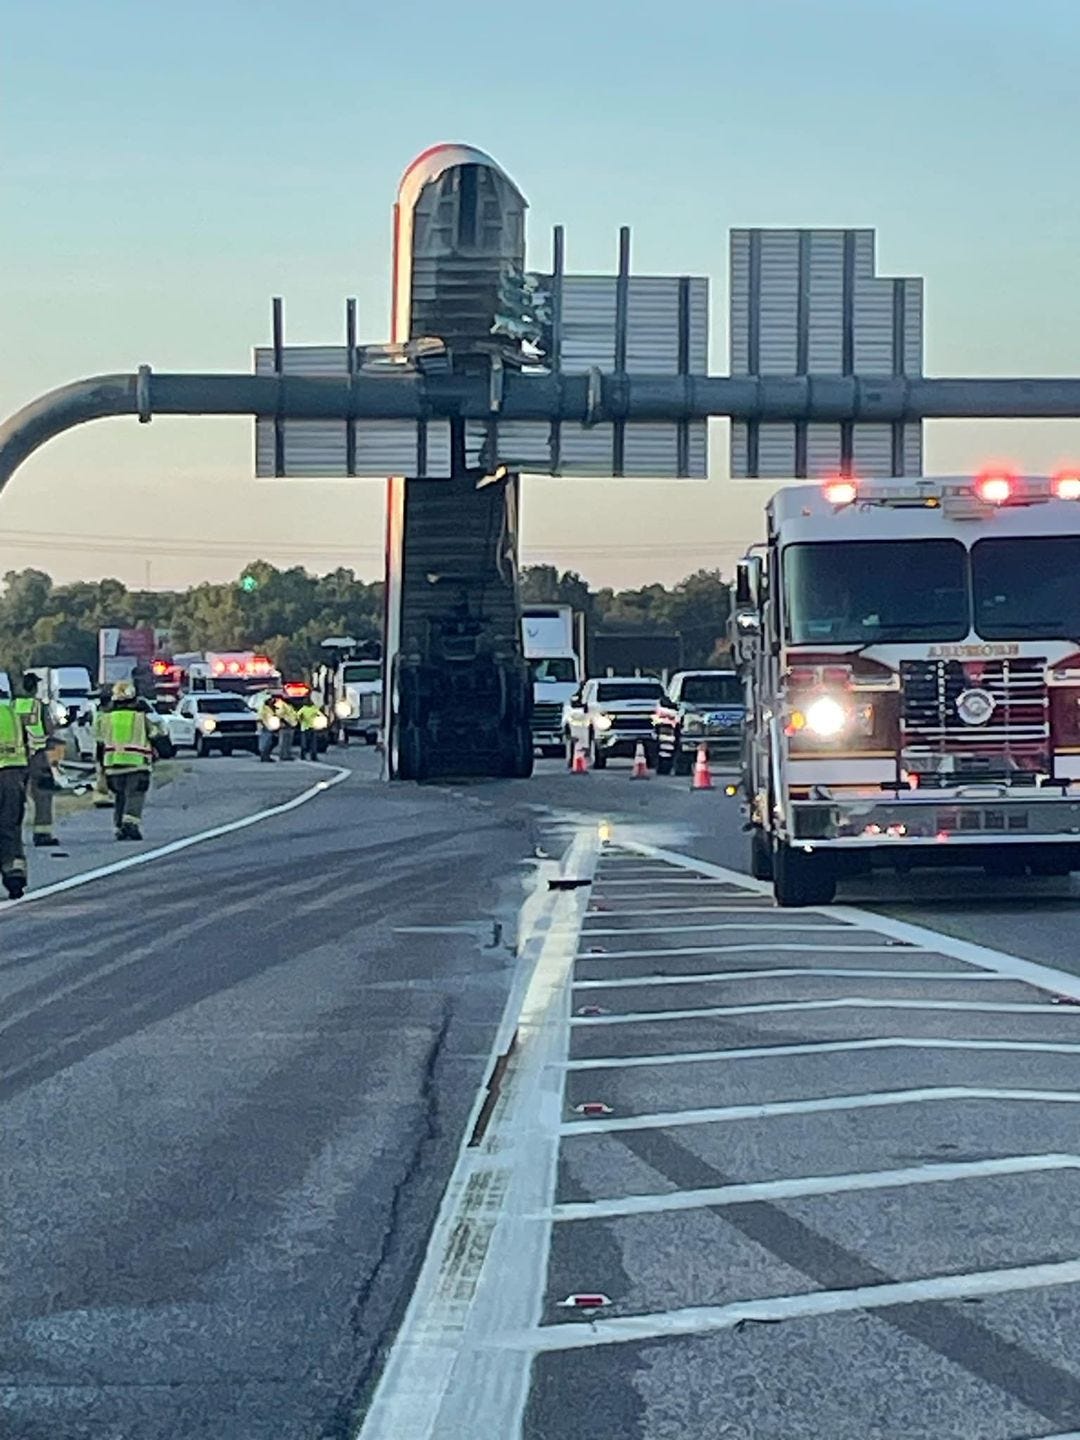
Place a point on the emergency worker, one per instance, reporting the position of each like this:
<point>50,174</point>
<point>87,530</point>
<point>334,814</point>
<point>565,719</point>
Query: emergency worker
<point>312,720</point>
<point>289,721</point>
<point>38,726</point>
<point>269,728</point>
<point>102,798</point>
<point>127,755</point>
<point>14,768</point>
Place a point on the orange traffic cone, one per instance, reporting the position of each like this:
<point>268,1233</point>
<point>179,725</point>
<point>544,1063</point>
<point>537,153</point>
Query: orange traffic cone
<point>580,765</point>
<point>641,765</point>
<point>702,778</point>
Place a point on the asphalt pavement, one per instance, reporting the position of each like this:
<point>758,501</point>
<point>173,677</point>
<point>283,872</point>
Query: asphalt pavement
<point>765,1174</point>
<point>233,1082</point>
<point>819,1167</point>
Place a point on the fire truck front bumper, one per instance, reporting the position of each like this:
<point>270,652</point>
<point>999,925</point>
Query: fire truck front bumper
<point>847,822</point>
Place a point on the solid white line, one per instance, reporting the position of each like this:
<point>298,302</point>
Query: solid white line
<point>812,1185</point>
<point>703,1319</point>
<point>750,948</point>
<point>483,1274</point>
<point>74,882</point>
<point>806,972</point>
<point>873,1100</point>
<point>845,1002</point>
<point>822,1047</point>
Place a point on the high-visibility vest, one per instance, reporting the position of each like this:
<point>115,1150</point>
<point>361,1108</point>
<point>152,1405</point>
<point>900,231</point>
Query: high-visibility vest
<point>126,738</point>
<point>268,712</point>
<point>14,752</point>
<point>33,717</point>
<point>308,715</point>
<point>286,714</point>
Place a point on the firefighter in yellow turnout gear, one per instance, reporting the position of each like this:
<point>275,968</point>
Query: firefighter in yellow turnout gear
<point>14,767</point>
<point>42,783</point>
<point>127,755</point>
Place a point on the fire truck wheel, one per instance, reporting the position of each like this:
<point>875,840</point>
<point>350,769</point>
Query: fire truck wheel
<point>761,859</point>
<point>802,879</point>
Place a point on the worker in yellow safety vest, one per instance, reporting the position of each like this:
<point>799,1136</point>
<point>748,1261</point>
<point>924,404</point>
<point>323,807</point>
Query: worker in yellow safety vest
<point>312,720</point>
<point>127,732</point>
<point>42,782</point>
<point>269,729</point>
<point>14,767</point>
<point>289,721</point>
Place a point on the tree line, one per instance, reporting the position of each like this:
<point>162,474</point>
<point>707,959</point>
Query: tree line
<point>286,613</point>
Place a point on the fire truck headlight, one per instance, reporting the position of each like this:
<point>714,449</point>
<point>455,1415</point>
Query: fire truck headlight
<point>826,717</point>
<point>343,709</point>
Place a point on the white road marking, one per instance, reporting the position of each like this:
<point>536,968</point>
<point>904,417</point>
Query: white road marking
<point>825,1104</point>
<point>694,929</point>
<point>811,1185</point>
<point>710,1318</point>
<point>676,882</point>
<point>74,882</point>
<point>485,1267</point>
<point>751,907</point>
<point>843,1002</point>
<point>1044,977</point>
<point>750,948</point>
<point>822,1047</point>
<point>767,973</point>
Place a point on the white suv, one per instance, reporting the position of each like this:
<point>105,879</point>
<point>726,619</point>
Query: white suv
<point>609,717</point>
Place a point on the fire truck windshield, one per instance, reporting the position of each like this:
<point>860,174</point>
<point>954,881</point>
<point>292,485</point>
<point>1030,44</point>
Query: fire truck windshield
<point>1027,588</point>
<point>870,591</point>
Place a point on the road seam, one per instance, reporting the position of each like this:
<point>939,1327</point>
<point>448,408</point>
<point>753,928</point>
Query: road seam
<point>483,1273</point>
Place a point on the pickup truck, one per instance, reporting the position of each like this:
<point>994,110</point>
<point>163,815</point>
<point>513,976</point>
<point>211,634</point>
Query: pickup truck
<point>701,707</point>
<point>610,716</point>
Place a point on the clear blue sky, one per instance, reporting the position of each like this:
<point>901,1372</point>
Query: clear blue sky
<point>165,169</point>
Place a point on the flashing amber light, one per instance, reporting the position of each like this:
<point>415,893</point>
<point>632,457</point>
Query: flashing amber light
<point>297,687</point>
<point>841,491</point>
<point>219,667</point>
<point>1067,485</point>
<point>159,667</point>
<point>994,487</point>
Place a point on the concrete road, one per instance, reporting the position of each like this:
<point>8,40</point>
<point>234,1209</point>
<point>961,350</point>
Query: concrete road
<point>808,1174</point>
<point>831,1190</point>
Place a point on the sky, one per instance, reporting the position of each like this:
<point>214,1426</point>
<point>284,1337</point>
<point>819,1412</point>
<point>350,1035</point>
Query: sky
<point>166,169</point>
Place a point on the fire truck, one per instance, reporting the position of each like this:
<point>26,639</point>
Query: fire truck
<point>912,656</point>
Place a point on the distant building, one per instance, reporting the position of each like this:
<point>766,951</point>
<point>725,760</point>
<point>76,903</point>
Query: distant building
<point>808,302</point>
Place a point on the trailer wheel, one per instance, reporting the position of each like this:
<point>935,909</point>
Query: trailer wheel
<point>802,879</point>
<point>761,856</point>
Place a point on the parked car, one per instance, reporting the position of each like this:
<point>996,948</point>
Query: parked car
<point>179,729</point>
<point>221,722</point>
<point>701,707</point>
<point>609,717</point>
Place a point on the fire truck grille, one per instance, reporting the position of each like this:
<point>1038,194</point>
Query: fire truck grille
<point>1011,745</point>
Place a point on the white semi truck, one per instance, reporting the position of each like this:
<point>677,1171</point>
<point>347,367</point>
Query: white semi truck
<point>348,686</point>
<point>555,665</point>
<point>912,651</point>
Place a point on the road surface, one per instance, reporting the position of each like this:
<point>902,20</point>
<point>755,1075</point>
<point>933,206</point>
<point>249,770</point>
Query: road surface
<point>831,1189</point>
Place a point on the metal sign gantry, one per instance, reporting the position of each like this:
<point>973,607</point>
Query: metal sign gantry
<point>598,397</point>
